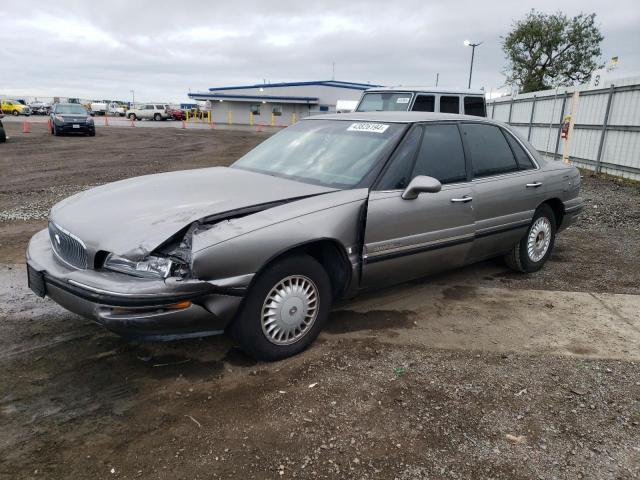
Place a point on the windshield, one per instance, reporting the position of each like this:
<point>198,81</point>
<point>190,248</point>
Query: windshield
<point>333,153</point>
<point>385,102</point>
<point>71,110</point>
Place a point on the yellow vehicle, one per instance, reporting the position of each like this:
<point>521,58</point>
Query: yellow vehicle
<point>12,107</point>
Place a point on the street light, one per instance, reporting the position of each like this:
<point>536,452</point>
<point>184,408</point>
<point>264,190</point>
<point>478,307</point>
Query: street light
<point>473,46</point>
<point>133,98</point>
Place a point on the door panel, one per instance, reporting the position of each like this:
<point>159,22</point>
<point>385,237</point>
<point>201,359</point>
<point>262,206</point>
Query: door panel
<point>407,239</point>
<point>504,207</point>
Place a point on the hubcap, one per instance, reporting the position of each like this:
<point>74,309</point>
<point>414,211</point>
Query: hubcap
<point>290,309</point>
<point>539,239</point>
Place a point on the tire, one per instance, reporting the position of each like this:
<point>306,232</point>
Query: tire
<point>534,249</point>
<point>15,113</point>
<point>3,135</point>
<point>56,132</point>
<point>297,272</point>
<point>157,117</point>
<point>132,116</point>
<point>92,133</point>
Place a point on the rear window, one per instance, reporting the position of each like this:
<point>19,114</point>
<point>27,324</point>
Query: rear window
<point>424,103</point>
<point>449,104</point>
<point>384,102</point>
<point>474,106</point>
<point>159,107</point>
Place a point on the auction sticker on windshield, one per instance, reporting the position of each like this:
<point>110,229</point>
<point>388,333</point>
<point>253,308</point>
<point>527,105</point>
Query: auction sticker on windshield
<point>368,127</point>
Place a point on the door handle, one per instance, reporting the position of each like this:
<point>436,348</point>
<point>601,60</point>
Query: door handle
<point>464,199</point>
<point>533,185</point>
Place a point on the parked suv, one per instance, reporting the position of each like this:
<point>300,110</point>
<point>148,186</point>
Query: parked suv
<point>14,107</point>
<point>423,99</point>
<point>150,111</point>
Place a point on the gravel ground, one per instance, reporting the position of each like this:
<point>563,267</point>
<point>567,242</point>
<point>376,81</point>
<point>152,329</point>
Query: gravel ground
<point>377,396</point>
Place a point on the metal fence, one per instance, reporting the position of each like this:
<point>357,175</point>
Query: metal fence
<point>606,124</point>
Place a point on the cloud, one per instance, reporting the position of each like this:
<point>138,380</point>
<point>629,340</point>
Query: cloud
<point>163,50</point>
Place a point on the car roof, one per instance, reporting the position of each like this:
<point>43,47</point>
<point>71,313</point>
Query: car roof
<point>410,88</point>
<point>401,117</point>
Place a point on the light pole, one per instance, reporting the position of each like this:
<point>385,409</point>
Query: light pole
<point>133,98</point>
<point>473,51</point>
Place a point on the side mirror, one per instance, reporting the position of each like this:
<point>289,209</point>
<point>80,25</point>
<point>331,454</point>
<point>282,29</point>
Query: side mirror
<point>421,184</point>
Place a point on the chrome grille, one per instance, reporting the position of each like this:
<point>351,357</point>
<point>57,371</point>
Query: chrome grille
<point>67,247</point>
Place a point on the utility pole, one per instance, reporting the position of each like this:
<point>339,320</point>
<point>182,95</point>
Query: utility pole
<point>437,78</point>
<point>473,51</point>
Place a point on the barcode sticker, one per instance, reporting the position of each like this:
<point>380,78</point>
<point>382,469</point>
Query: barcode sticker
<point>368,127</point>
<point>402,100</point>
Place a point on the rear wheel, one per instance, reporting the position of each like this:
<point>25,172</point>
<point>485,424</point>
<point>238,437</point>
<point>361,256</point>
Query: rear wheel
<point>533,250</point>
<point>284,310</point>
<point>157,117</point>
<point>16,113</point>
<point>56,132</point>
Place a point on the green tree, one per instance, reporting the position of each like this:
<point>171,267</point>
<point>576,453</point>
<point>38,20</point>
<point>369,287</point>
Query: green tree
<point>545,51</point>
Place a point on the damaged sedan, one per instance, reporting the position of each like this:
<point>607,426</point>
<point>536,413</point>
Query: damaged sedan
<point>323,209</point>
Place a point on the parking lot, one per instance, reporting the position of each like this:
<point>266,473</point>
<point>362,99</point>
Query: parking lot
<point>476,370</point>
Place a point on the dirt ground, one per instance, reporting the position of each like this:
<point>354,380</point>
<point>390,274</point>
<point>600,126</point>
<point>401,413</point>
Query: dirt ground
<point>476,373</point>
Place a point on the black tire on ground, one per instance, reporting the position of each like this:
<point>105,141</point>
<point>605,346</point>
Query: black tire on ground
<point>157,117</point>
<point>56,132</point>
<point>518,258</point>
<point>247,330</point>
<point>3,135</point>
<point>15,113</point>
<point>92,133</point>
<point>132,116</point>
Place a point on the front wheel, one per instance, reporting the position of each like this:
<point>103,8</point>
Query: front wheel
<point>533,250</point>
<point>284,310</point>
<point>16,113</point>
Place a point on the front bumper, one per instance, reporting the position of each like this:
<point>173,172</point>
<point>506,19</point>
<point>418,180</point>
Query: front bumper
<point>131,306</point>
<point>71,128</point>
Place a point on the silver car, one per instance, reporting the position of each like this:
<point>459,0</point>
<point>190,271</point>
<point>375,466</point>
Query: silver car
<point>323,209</point>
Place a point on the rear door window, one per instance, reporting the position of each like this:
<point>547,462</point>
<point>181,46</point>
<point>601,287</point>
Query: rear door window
<point>490,152</point>
<point>424,103</point>
<point>522,158</point>
<point>449,104</point>
<point>441,154</point>
<point>474,106</point>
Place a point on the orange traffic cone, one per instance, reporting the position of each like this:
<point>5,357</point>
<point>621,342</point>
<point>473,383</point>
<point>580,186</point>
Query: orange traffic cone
<point>25,127</point>
<point>212,125</point>
<point>132,124</point>
<point>49,124</point>
<point>259,127</point>
<point>106,120</point>
<point>184,124</point>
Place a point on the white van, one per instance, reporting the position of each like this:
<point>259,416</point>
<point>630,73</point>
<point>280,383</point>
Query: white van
<point>423,99</point>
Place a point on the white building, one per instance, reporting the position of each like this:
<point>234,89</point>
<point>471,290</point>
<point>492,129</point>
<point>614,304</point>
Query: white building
<point>277,103</point>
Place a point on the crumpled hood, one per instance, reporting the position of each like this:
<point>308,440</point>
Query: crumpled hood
<point>136,215</point>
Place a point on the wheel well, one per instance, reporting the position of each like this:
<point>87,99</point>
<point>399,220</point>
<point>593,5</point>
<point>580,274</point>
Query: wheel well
<point>332,256</point>
<point>558,209</point>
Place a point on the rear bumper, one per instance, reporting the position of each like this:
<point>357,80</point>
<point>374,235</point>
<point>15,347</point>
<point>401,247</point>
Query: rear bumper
<point>131,306</point>
<point>572,209</point>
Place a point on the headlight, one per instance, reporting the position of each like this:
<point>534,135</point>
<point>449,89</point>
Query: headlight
<point>89,120</point>
<point>60,118</point>
<point>151,267</point>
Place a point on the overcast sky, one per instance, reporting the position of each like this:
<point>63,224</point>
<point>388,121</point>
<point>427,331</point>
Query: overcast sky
<point>104,49</point>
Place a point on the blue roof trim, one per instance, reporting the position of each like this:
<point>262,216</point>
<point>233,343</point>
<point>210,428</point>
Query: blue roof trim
<point>252,97</point>
<point>326,83</point>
